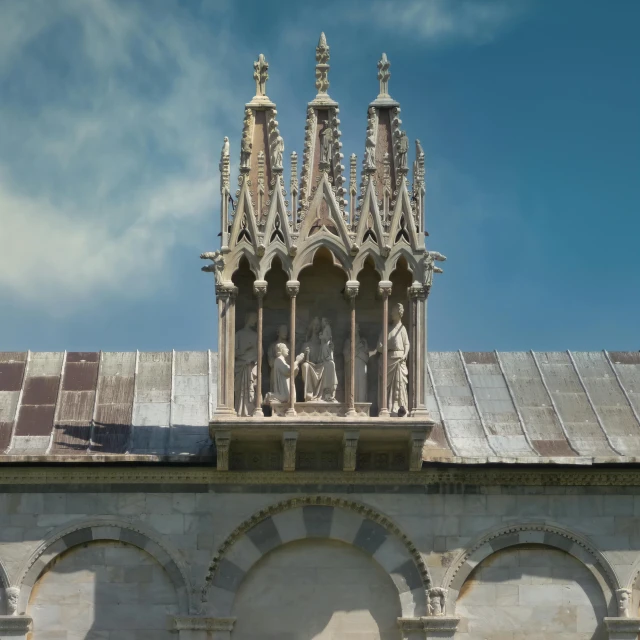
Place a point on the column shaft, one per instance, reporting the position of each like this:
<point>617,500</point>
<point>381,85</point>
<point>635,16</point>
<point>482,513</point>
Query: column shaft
<point>260,290</point>
<point>293,286</point>
<point>384,289</point>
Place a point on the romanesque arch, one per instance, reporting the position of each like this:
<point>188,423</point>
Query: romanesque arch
<point>317,517</point>
<point>532,533</point>
<point>103,530</point>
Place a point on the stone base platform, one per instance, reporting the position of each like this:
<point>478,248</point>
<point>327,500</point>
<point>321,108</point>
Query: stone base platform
<point>319,408</point>
<point>319,442</point>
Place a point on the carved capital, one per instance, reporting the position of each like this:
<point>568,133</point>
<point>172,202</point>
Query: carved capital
<point>351,289</point>
<point>260,288</point>
<point>293,288</point>
<point>384,288</point>
<point>226,291</point>
<point>223,443</point>
<point>622,628</point>
<point>15,625</point>
<point>417,291</point>
<point>289,442</point>
<point>350,450</point>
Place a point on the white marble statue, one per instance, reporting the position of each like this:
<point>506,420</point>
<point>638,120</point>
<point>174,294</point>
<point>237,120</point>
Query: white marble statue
<point>326,144</point>
<point>245,152</point>
<point>13,596</point>
<point>281,336</point>
<point>280,374</point>
<point>397,372</point>
<point>403,150</point>
<point>319,369</point>
<point>360,369</point>
<point>370,153</point>
<point>278,152</point>
<point>246,366</point>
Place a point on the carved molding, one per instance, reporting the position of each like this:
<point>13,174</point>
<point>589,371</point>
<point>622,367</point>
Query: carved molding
<point>293,288</point>
<point>622,628</point>
<point>350,450</point>
<point>223,444</point>
<point>294,503</point>
<point>289,442</point>
<point>201,623</point>
<point>452,477</point>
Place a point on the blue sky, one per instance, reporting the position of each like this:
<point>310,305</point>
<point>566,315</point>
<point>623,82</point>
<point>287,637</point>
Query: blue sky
<point>112,115</point>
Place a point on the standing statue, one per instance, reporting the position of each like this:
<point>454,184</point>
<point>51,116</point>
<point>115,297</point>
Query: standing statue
<point>370,153</point>
<point>403,150</point>
<point>397,372</point>
<point>278,152</point>
<point>360,369</point>
<point>245,366</point>
<point>319,369</point>
<point>245,152</point>
<point>326,144</point>
<point>281,336</point>
<point>225,148</point>
<point>280,374</point>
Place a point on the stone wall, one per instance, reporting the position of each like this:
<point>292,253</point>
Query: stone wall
<point>527,554</point>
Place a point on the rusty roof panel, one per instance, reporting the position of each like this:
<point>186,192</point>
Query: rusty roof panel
<point>35,420</point>
<point>191,363</point>
<point>112,428</point>
<point>13,356</point>
<point>553,448</point>
<point>41,390</point>
<point>117,363</point>
<point>11,374</point>
<point>83,356</point>
<point>80,376</point>
<point>75,406</point>
<point>43,363</point>
<point>625,357</point>
<point>115,389</point>
<point>71,437</point>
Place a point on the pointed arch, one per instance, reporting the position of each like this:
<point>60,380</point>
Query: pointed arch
<point>244,228</point>
<point>317,517</point>
<point>276,250</point>
<point>305,257</point>
<point>402,222</point>
<point>232,261</point>
<point>370,220</point>
<point>315,224</point>
<point>364,254</point>
<point>402,251</point>
<point>277,224</point>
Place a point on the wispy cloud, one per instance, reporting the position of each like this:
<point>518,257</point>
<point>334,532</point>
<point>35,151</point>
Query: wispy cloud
<point>112,119</point>
<point>441,21</point>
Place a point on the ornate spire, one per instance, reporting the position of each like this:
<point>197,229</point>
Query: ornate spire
<point>261,75</point>
<point>383,75</point>
<point>322,65</point>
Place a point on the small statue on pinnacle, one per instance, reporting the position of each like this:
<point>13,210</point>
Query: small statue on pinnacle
<point>261,75</point>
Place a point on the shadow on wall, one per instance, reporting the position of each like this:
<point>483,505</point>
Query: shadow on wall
<point>316,590</point>
<point>103,590</point>
<point>534,590</point>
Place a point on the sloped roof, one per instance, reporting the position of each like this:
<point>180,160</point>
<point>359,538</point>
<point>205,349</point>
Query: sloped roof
<point>527,407</point>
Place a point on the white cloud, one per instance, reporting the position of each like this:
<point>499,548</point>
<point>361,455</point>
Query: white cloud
<point>440,21</point>
<point>112,116</point>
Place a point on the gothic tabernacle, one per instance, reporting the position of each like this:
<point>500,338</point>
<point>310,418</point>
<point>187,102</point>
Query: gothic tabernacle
<point>322,476</point>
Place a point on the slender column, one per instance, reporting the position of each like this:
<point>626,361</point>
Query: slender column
<point>418,296</point>
<point>225,297</point>
<point>260,290</point>
<point>293,287</point>
<point>384,289</point>
<point>351,291</point>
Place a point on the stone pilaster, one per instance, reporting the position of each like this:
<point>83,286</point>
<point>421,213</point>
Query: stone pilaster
<point>418,297</point>
<point>260,290</point>
<point>351,291</point>
<point>350,450</point>
<point>226,298</point>
<point>384,290</point>
<point>289,442</point>
<point>223,444</point>
<point>293,288</point>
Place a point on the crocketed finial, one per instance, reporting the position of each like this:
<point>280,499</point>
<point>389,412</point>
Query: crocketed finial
<point>322,65</point>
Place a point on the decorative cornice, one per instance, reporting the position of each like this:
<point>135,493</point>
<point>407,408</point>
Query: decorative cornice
<point>165,472</point>
<point>200,623</point>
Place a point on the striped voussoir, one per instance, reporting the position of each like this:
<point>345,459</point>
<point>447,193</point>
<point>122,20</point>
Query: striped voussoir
<point>318,518</point>
<point>87,533</point>
<point>533,533</point>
